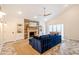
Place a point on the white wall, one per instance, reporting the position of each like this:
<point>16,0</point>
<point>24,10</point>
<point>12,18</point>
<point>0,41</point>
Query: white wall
<point>70,19</point>
<point>12,27</point>
<point>10,30</point>
<point>42,23</point>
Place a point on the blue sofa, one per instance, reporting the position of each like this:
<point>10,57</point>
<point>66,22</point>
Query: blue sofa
<point>44,42</point>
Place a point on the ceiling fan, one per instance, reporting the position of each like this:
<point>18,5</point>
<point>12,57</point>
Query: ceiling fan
<point>46,13</point>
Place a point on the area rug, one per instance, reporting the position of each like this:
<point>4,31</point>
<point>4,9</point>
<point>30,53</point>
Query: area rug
<point>22,47</point>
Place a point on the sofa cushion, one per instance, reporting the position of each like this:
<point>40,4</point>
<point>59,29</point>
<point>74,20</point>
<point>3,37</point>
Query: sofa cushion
<point>45,42</point>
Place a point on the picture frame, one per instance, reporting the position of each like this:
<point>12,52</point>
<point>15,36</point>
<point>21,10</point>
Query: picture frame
<point>19,28</point>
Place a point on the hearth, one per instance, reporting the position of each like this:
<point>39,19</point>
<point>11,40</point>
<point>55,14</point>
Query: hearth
<point>31,34</point>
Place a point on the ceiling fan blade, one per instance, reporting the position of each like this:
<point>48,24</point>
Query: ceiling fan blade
<point>47,14</point>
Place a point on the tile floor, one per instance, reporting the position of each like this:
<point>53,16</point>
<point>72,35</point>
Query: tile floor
<point>67,47</point>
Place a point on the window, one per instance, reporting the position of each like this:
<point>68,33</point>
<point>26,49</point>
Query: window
<point>57,28</point>
<point>50,28</point>
<point>54,28</point>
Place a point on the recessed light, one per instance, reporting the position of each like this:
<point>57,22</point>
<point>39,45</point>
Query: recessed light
<point>19,12</point>
<point>35,17</point>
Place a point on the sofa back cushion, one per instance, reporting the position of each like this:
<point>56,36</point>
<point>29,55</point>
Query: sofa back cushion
<point>54,33</point>
<point>36,37</point>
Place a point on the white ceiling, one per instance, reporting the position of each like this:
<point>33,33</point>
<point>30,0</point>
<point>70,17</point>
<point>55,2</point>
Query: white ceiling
<point>31,10</point>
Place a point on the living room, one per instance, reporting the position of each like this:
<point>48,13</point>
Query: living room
<point>23,22</point>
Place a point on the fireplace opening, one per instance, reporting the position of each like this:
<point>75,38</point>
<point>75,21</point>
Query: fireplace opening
<point>31,34</point>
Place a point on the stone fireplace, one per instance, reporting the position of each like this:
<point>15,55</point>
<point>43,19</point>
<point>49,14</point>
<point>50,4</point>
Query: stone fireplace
<point>33,31</point>
<point>31,28</point>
